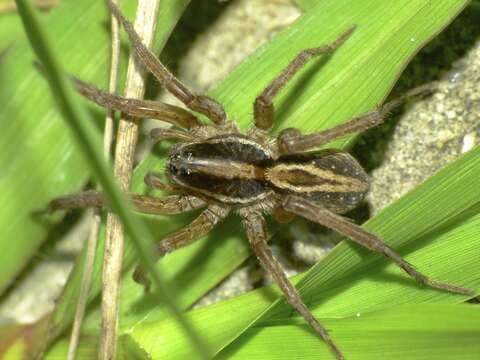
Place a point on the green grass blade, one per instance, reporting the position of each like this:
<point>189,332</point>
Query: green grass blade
<point>11,30</point>
<point>403,332</point>
<point>88,140</point>
<point>127,349</point>
<point>406,332</point>
<point>428,331</point>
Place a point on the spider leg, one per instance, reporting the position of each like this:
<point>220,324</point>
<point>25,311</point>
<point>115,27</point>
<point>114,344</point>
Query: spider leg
<point>169,205</point>
<point>154,180</point>
<point>263,106</point>
<point>202,104</point>
<point>136,107</point>
<point>188,234</point>
<point>257,235</point>
<point>290,143</point>
<point>160,134</point>
<point>318,214</point>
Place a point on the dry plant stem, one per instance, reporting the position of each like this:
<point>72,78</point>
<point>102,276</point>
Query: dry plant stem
<point>96,213</point>
<point>124,156</point>
<point>86,282</point>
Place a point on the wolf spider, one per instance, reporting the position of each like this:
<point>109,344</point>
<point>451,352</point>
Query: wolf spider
<point>216,168</point>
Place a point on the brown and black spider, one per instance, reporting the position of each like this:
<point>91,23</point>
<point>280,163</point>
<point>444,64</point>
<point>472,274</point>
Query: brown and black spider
<point>217,168</point>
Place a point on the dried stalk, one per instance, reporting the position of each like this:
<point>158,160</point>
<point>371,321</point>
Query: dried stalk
<point>96,213</point>
<point>145,23</point>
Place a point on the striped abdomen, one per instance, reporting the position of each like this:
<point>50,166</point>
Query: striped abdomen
<point>331,178</point>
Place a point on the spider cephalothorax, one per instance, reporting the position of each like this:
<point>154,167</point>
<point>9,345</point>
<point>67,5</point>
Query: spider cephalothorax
<point>217,169</point>
<point>229,168</point>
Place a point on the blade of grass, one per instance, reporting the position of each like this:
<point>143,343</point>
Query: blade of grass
<point>402,332</point>
<point>88,349</point>
<point>10,31</point>
<point>88,141</point>
<point>423,331</point>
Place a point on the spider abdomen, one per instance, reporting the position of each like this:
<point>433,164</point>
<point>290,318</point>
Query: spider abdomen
<point>330,178</point>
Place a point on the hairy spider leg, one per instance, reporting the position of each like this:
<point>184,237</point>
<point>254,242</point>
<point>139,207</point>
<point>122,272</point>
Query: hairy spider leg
<point>322,216</point>
<point>289,143</point>
<point>160,134</point>
<point>257,235</point>
<point>184,236</point>
<point>168,205</point>
<point>200,103</point>
<point>263,107</point>
<point>154,181</point>
<point>137,108</point>
<point>133,107</point>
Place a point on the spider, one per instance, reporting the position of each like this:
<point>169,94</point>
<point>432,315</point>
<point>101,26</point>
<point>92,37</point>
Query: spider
<point>216,168</point>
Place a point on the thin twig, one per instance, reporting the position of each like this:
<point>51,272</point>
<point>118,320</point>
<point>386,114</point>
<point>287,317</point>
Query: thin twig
<point>124,157</point>
<point>86,282</point>
<point>96,213</point>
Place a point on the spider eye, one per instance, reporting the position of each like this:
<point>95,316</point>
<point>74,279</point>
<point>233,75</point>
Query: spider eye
<point>172,165</point>
<point>177,168</point>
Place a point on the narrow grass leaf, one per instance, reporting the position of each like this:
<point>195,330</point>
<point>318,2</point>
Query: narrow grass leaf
<point>402,332</point>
